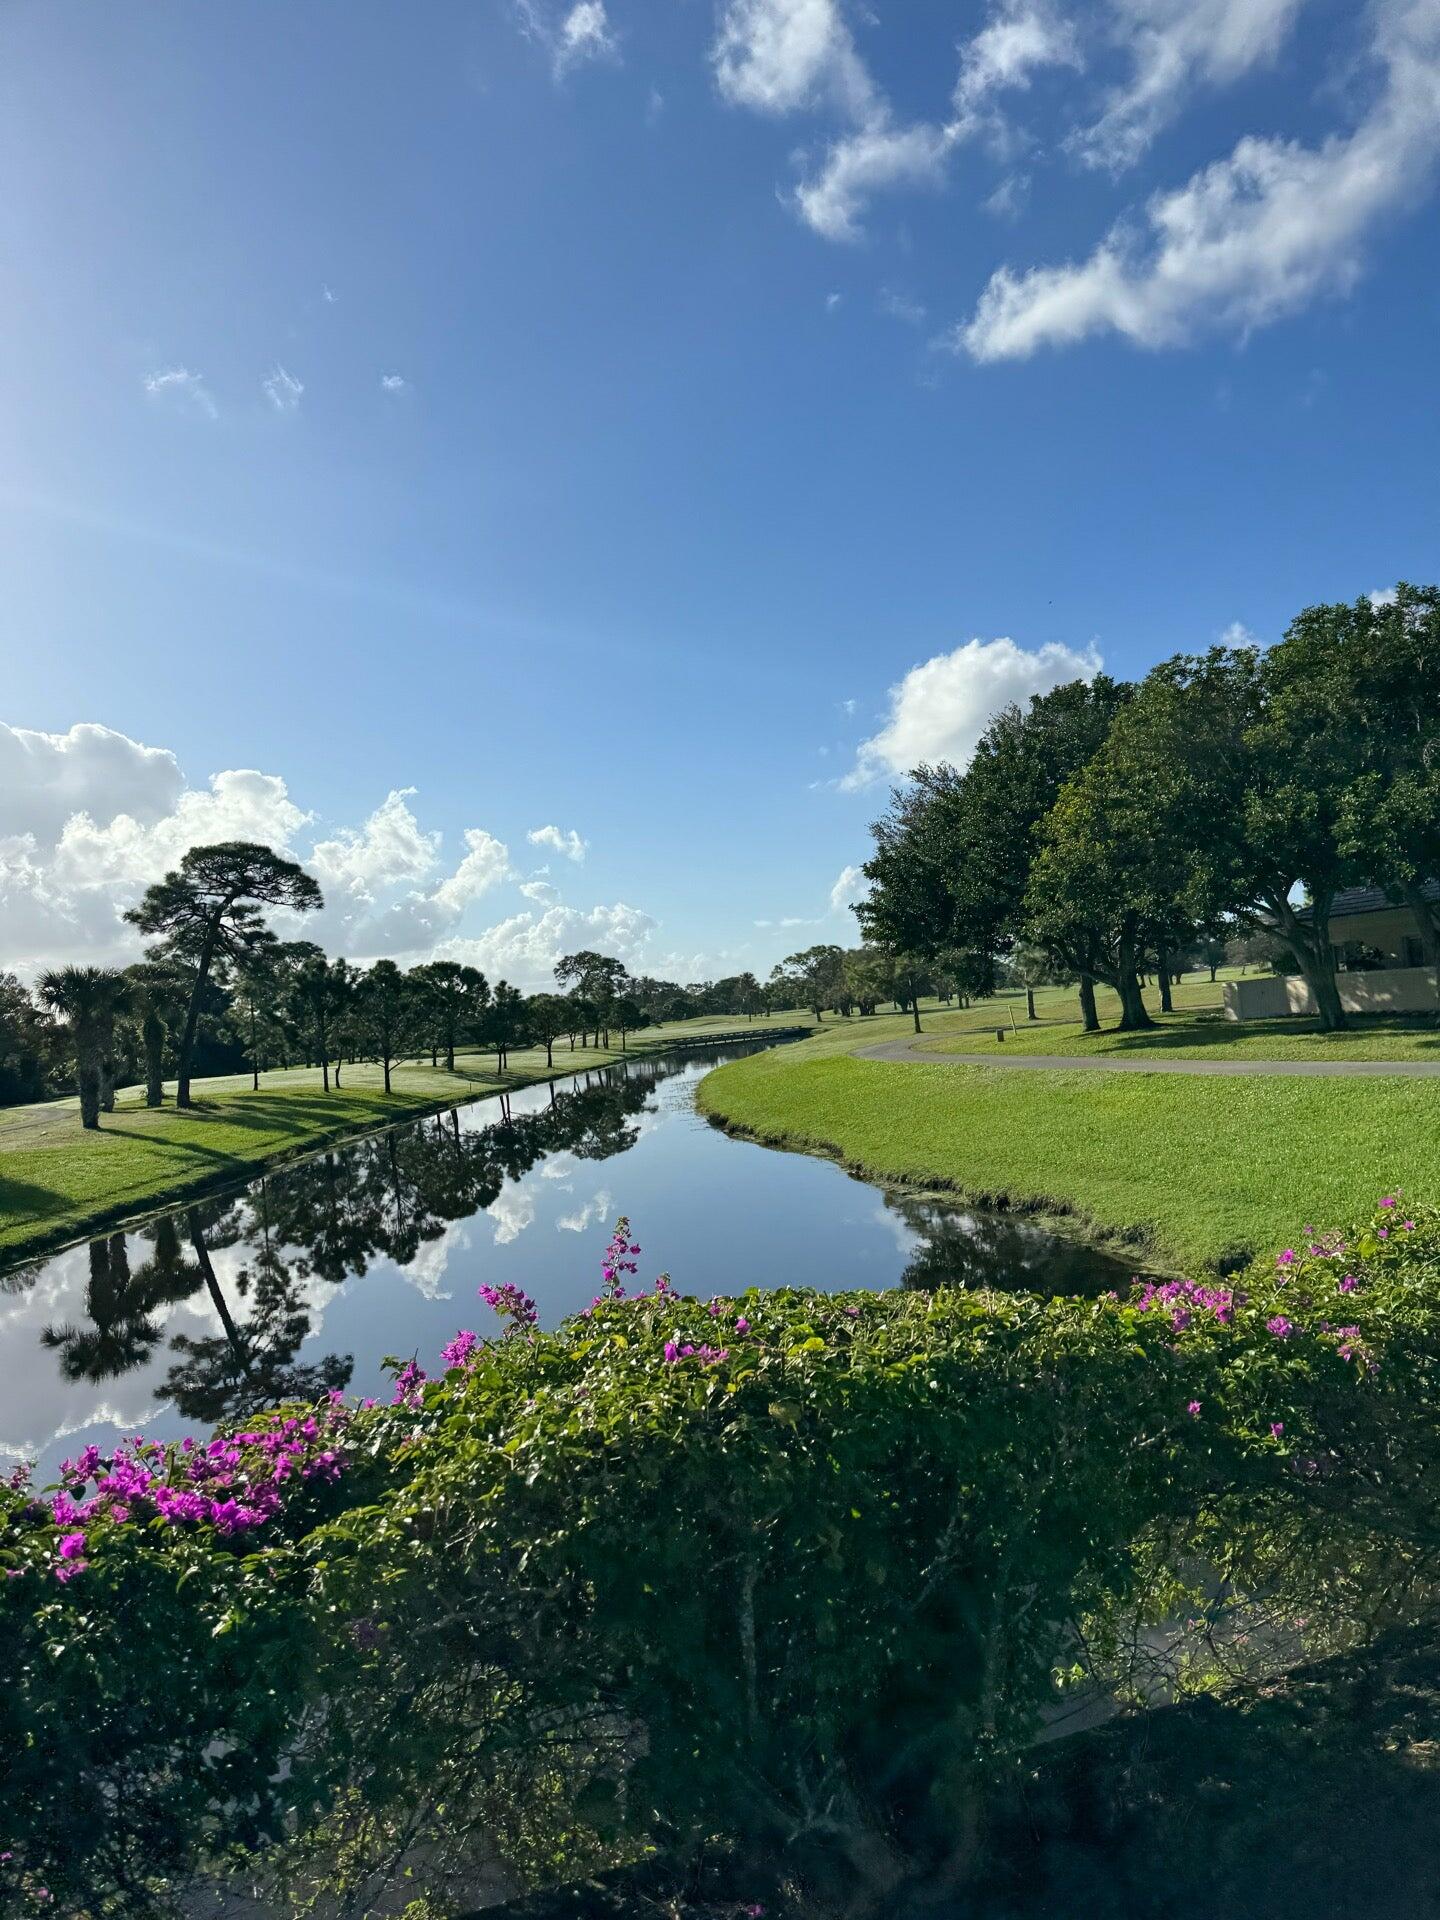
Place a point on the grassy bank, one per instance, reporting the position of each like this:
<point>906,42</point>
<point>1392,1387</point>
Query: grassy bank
<point>1193,1171</point>
<point>1197,1029</point>
<point>58,1182</point>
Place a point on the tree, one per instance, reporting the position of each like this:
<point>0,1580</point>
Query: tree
<point>547,1016</point>
<point>158,995</point>
<point>817,973</point>
<point>255,996</point>
<point>596,978</point>
<point>503,1021</point>
<point>1248,762</point>
<point>627,1016</point>
<point>209,908</point>
<point>25,1049</point>
<point>953,855</point>
<point>454,998</point>
<point>321,989</point>
<point>89,1000</point>
<point>387,1014</point>
<point>1390,816</point>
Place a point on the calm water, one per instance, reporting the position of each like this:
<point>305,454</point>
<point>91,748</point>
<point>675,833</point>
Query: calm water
<point>310,1276</point>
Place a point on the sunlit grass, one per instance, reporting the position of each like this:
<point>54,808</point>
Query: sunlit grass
<point>56,1180</point>
<point>1193,1169</point>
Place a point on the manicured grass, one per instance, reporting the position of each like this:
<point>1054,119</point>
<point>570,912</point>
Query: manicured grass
<point>1197,1029</point>
<point>57,1181</point>
<point>1192,1171</point>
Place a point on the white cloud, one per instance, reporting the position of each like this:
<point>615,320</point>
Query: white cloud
<point>850,879</point>
<point>283,390</point>
<point>879,156</point>
<point>1247,239</point>
<point>940,708</point>
<point>47,777</point>
<point>524,948</point>
<point>832,301</point>
<point>778,55</point>
<point>1173,46</point>
<point>569,845</point>
<point>1383,597</point>
<point>485,865</point>
<point>390,849</point>
<point>782,56</point>
<point>394,383</point>
<point>848,707</point>
<point>1237,634</point>
<point>581,35</point>
<point>1021,39</point>
<point>180,386</point>
<point>90,817</point>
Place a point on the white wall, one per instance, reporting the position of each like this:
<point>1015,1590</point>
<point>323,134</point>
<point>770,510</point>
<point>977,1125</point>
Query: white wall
<point>1388,990</point>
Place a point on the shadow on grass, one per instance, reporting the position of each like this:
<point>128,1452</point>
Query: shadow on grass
<point>1174,1033</point>
<point>275,1114</point>
<point>20,1198</point>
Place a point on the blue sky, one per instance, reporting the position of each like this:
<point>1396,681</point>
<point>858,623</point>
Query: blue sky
<point>662,423</point>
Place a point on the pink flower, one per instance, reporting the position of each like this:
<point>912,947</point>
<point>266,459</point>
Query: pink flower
<point>1277,1427</point>
<point>1287,1258</point>
<point>1389,1200</point>
<point>1279,1326</point>
<point>742,1325</point>
<point>1193,1409</point>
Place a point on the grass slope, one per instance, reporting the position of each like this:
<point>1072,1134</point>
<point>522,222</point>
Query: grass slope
<point>57,1181</point>
<point>1195,1170</point>
<point>1196,1030</point>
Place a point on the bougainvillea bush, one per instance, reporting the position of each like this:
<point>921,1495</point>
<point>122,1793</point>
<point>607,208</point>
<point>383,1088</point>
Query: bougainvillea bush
<point>788,1573</point>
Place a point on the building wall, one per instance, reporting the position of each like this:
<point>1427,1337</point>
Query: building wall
<point>1394,932</point>
<point>1387,990</point>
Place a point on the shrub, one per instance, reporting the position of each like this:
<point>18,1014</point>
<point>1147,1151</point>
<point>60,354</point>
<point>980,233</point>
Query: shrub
<point>790,1570</point>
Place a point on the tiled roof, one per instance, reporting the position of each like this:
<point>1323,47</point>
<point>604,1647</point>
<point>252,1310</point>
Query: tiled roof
<point>1370,900</point>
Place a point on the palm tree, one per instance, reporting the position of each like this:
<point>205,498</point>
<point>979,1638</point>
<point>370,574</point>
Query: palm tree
<point>89,999</point>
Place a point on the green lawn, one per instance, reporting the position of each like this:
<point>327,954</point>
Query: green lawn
<point>56,1181</point>
<point>1192,1171</point>
<point>1197,1029</point>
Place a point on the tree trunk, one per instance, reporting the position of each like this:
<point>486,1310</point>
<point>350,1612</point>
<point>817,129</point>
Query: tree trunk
<point>1030,1013</point>
<point>1162,972</point>
<point>1089,1017</point>
<point>254,1054</point>
<point>385,1069</point>
<point>212,1286</point>
<point>549,1053</point>
<point>153,1035</point>
<point>1134,1016</point>
<point>87,1085</point>
<point>107,1081</point>
<point>192,1020</point>
<point>915,1013</point>
<point>1315,957</point>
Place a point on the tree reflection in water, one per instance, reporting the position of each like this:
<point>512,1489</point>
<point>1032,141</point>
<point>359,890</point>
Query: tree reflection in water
<point>321,1220</point>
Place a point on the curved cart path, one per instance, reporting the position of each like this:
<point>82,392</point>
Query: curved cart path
<point>915,1047</point>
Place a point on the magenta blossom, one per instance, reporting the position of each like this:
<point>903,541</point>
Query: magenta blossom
<point>1280,1326</point>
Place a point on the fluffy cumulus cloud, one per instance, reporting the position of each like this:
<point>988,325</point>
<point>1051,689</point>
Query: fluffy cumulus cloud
<point>849,885</point>
<point>89,818</point>
<point>1249,238</point>
<point>940,709</point>
<point>568,845</point>
<point>524,948</point>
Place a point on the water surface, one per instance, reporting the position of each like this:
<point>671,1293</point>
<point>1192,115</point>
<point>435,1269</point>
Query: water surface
<point>308,1277</point>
